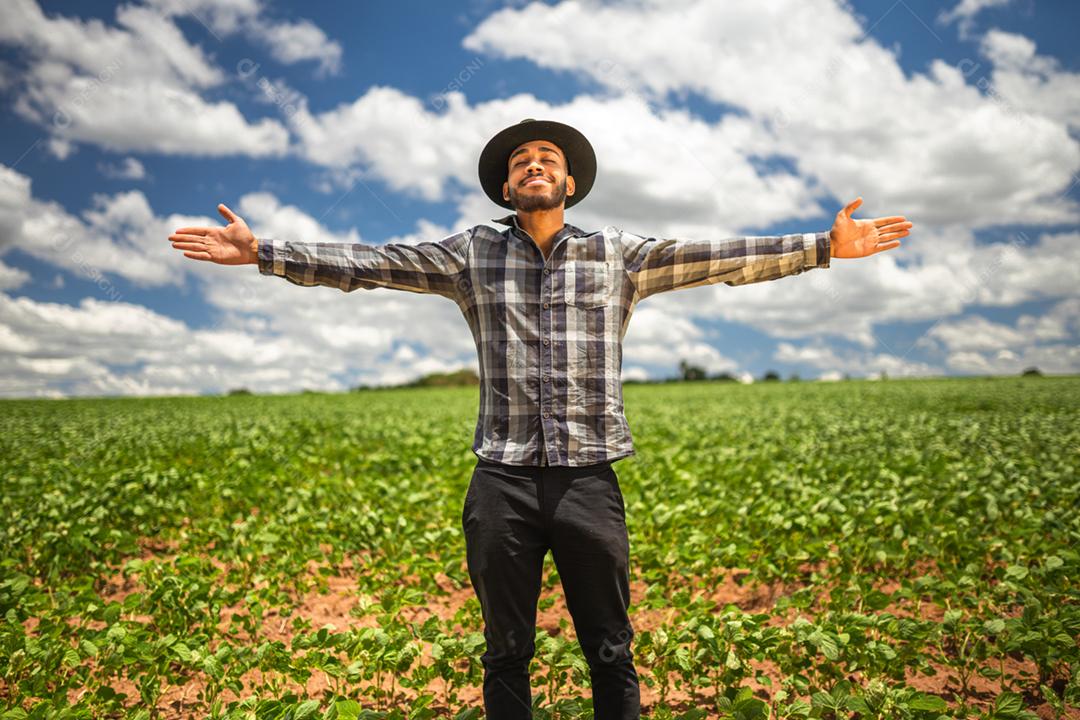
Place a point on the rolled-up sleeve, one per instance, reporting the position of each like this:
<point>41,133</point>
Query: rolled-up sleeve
<point>657,265</point>
<point>438,268</point>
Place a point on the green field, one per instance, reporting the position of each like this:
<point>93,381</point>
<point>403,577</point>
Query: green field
<point>890,549</point>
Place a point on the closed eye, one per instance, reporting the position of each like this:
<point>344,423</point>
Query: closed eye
<point>549,159</point>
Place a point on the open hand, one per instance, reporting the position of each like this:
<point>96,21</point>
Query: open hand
<point>233,244</point>
<point>858,238</point>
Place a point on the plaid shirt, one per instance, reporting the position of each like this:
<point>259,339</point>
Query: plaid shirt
<point>548,331</point>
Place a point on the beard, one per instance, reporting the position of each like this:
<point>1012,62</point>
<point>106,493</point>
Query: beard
<point>530,201</point>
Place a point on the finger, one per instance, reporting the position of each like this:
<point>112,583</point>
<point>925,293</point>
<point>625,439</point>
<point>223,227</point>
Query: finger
<point>889,246</point>
<point>894,227</point>
<point>854,204</point>
<point>883,237</point>
<point>882,221</point>
<point>181,237</point>
<point>194,230</point>
<point>189,246</point>
<point>197,255</point>
<point>227,213</point>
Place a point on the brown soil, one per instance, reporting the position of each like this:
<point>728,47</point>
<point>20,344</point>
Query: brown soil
<point>338,607</point>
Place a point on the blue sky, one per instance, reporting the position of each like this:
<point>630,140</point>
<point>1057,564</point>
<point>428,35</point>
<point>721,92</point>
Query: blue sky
<point>333,121</point>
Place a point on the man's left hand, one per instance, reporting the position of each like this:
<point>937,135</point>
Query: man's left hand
<point>858,238</point>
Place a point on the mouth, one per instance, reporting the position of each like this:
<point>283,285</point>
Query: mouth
<point>535,181</point>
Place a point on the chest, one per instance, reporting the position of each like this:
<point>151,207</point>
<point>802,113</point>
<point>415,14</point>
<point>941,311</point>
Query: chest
<point>579,273</point>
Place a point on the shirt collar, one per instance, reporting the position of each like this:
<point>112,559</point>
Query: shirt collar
<point>511,220</point>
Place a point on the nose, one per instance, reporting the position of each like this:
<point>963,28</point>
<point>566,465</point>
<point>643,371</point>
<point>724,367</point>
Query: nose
<point>533,169</point>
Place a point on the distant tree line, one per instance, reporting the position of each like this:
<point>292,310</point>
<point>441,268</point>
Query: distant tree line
<point>687,373</point>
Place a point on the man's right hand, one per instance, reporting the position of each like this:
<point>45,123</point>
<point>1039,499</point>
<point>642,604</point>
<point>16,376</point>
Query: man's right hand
<point>233,244</point>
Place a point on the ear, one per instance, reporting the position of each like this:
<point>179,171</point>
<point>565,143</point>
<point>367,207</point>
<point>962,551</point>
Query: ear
<point>506,191</point>
<point>569,184</point>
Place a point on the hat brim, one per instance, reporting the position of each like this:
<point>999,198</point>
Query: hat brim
<point>496,154</point>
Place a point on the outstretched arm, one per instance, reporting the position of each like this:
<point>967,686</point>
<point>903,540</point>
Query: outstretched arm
<point>659,265</point>
<point>427,267</point>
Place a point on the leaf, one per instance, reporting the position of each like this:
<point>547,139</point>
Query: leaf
<point>71,657</point>
<point>306,709</point>
<point>824,700</point>
<point>825,644</point>
<point>347,709</point>
<point>212,667</point>
<point>693,714</point>
<point>928,703</point>
<point>858,704</point>
<point>1051,697</point>
<point>1016,572</point>
<point>1008,704</point>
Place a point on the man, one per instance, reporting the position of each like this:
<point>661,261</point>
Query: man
<point>548,305</point>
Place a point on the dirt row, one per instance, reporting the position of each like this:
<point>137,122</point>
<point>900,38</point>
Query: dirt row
<point>338,607</point>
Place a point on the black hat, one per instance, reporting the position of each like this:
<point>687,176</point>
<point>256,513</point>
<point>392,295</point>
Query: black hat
<point>580,158</point>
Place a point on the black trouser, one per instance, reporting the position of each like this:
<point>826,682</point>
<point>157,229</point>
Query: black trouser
<point>512,516</point>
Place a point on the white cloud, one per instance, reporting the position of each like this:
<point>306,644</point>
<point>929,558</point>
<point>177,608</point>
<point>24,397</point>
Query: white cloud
<point>393,134</point>
<point>127,169</point>
<point>288,42</point>
<point>1055,359</point>
<point>133,86</point>
<point>118,236</point>
<point>855,364</point>
<point>975,344</point>
<point>659,340</point>
<point>12,278</point>
<point>1062,320</point>
<point>1025,83</point>
<point>965,12</point>
<point>284,340</point>
<point>287,327</point>
<point>294,42</point>
<point>976,333</point>
<point>426,231</point>
<point>265,214</point>
<point>928,146</point>
<point>683,175</point>
<point>223,17</point>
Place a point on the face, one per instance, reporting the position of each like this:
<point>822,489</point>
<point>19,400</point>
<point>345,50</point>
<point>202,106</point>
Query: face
<point>536,177</point>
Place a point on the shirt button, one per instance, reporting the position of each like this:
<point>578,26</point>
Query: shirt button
<point>547,271</point>
<point>547,413</point>
<point>547,378</point>
<point>546,341</point>
<point>547,305</point>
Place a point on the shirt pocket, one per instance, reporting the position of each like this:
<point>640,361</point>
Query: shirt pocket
<point>588,283</point>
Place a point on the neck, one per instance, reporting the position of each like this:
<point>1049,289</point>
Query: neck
<point>542,225</point>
